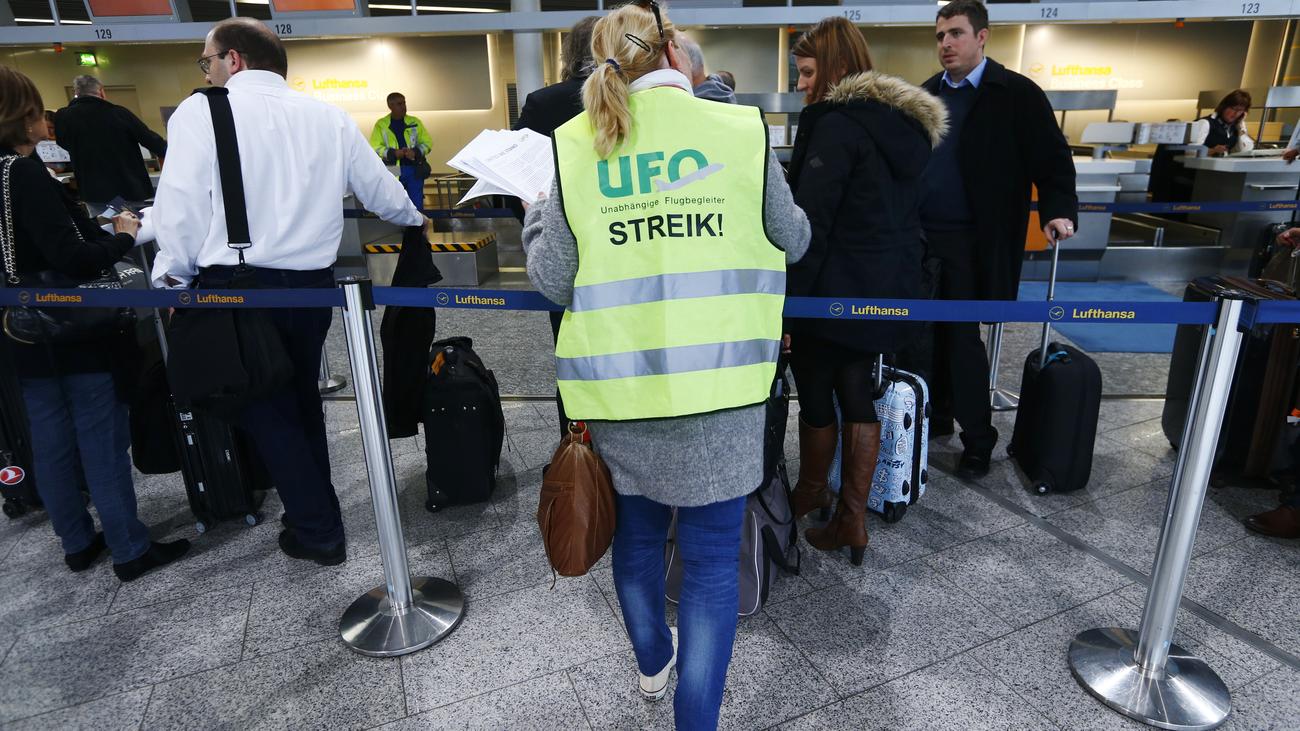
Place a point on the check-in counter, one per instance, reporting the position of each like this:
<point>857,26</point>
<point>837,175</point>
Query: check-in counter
<point>1096,181</point>
<point>1242,179</point>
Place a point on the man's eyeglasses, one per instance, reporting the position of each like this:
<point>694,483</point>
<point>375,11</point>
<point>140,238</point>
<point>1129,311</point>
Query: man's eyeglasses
<point>205,63</point>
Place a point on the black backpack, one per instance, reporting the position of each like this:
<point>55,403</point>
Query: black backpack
<point>464,426</point>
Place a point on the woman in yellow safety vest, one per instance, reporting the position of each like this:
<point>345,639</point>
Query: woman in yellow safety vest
<point>666,236</point>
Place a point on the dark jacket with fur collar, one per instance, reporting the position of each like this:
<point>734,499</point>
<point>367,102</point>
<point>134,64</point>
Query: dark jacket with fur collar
<point>856,170</point>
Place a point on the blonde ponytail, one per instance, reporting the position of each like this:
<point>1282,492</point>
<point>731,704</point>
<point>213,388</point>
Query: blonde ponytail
<point>625,46</point>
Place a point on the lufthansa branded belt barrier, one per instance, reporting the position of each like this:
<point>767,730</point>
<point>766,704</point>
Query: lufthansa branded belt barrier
<point>88,297</point>
<point>1182,313</point>
<point>1117,207</point>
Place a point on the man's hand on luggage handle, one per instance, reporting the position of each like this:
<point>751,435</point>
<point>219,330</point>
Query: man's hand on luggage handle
<point>1290,154</point>
<point>1289,237</point>
<point>1063,227</point>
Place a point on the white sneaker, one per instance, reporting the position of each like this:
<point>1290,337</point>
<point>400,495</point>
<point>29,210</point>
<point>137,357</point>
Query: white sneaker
<point>654,687</point>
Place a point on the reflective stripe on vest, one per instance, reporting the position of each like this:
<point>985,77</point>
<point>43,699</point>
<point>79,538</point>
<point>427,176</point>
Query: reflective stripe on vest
<point>677,301</point>
<point>665,361</point>
<point>677,286</point>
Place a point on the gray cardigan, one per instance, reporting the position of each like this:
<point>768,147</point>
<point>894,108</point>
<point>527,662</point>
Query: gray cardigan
<point>689,460</point>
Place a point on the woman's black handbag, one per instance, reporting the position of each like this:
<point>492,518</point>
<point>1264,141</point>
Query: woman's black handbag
<point>55,325</point>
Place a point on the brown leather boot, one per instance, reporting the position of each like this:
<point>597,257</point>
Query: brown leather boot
<point>848,526</point>
<point>816,451</point>
<point>1283,522</point>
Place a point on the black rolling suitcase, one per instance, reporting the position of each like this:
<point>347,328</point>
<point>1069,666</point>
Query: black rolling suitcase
<point>17,484</point>
<point>464,426</point>
<point>224,478</point>
<point>1056,423</point>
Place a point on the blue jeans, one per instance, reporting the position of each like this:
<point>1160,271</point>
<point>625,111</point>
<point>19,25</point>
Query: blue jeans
<point>709,539</point>
<point>414,184</point>
<point>80,414</point>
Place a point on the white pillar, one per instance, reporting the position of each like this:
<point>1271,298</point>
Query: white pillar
<point>528,53</point>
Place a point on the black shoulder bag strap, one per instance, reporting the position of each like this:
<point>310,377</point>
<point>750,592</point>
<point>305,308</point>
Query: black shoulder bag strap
<point>229,168</point>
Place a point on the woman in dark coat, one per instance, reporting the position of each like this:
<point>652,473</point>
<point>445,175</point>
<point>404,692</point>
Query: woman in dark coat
<point>863,144</point>
<point>78,419</point>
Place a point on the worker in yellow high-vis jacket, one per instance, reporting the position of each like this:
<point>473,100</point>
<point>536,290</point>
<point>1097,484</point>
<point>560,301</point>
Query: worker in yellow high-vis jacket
<point>666,237</point>
<point>401,139</point>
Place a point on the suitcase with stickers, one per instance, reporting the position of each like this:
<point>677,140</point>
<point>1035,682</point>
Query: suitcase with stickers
<point>902,472</point>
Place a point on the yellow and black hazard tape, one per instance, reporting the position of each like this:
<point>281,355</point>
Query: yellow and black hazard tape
<point>452,246</point>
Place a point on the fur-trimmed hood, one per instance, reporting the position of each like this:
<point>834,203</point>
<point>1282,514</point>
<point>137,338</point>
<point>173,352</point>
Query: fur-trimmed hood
<point>917,103</point>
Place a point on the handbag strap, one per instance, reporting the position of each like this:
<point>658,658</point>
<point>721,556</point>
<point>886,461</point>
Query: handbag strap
<point>229,169</point>
<point>7,226</point>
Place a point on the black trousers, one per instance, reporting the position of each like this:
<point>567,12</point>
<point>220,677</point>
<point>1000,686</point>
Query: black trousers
<point>289,427</point>
<point>823,370</point>
<point>556,319</point>
<point>960,388</point>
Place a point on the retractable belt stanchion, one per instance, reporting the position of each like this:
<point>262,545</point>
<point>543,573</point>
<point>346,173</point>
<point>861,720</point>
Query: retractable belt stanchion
<point>407,613</point>
<point>999,399</point>
<point>327,382</point>
<point>1145,676</point>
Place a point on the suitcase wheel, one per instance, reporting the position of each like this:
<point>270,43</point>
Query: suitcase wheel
<point>201,527</point>
<point>894,512</point>
<point>1042,488</point>
<point>252,519</point>
<point>14,509</point>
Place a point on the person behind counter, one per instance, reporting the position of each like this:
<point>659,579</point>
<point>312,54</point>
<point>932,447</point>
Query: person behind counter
<point>104,141</point>
<point>401,139</point>
<point>1003,139</point>
<point>863,144</point>
<point>75,404</point>
<point>1224,130</point>
<point>676,435</point>
<point>294,187</point>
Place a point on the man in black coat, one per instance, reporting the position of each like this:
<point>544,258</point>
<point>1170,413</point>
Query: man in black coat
<point>1003,139</point>
<point>548,108</point>
<point>104,140</point>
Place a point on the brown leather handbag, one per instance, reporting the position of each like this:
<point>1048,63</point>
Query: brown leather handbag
<point>576,510</point>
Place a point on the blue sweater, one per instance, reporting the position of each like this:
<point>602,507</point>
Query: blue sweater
<point>946,205</point>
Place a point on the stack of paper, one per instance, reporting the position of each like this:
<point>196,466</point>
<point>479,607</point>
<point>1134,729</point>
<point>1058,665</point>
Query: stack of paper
<point>507,162</point>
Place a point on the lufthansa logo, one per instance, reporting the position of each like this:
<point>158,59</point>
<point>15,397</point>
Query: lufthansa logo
<point>837,309</point>
<point>443,298</point>
<point>184,298</point>
<point>1056,313</point>
<point>24,297</point>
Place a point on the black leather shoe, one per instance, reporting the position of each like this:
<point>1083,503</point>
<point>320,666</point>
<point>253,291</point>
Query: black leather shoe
<point>86,557</point>
<point>973,464</point>
<point>293,548</point>
<point>158,555</point>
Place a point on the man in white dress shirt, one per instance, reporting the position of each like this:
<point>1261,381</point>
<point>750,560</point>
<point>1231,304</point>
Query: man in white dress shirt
<point>299,158</point>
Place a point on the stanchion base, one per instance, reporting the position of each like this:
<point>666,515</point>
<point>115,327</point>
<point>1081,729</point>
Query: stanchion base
<point>370,626</point>
<point>1001,400</point>
<point>334,383</point>
<point>1189,696</point>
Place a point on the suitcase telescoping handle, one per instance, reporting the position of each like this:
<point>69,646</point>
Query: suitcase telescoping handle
<point>1051,295</point>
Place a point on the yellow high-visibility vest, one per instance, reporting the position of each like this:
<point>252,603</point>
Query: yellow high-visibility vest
<point>677,303</point>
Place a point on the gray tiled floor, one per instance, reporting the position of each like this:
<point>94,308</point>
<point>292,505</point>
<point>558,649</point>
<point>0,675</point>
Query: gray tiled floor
<point>959,618</point>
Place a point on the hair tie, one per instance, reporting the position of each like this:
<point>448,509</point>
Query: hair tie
<point>617,69</point>
<point>645,46</point>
